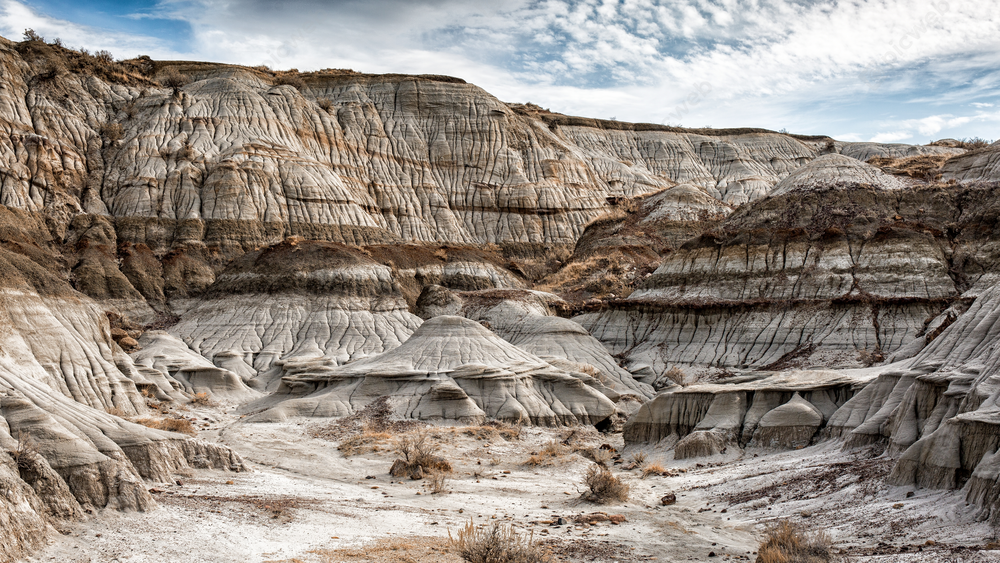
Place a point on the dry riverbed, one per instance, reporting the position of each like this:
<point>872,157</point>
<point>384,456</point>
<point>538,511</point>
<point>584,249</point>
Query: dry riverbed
<point>304,500</point>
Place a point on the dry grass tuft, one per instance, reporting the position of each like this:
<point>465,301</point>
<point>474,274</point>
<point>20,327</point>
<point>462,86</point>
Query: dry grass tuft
<point>363,443</point>
<point>499,543</point>
<point>115,411</point>
<point>654,468</point>
<point>548,455</point>
<point>603,486</point>
<point>785,542</point>
<point>639,458</point>
<point>437,482</point>
<point>601,457</point>
<point>202,399</point>
<point>676,375</point>
<point>393,550</point>
<point>181,425</point>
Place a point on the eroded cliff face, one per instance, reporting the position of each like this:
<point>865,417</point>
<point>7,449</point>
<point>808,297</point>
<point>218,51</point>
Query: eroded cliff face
<point>830,274</point>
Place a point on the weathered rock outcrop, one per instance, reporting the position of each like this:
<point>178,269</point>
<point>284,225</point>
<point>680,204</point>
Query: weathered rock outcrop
<point>450,369</point>
<point>837,276</point>
<point>296,299</point>
<point>981,165</point>
<point>831,170</point>
<point>527,319</point>
<point>783,411</point>
<point>285,234</point>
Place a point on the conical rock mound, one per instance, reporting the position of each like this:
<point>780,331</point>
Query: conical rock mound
<point>450,369</point>
<point>833,169</point>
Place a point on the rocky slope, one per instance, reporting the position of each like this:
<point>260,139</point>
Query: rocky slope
<point>836,272</point>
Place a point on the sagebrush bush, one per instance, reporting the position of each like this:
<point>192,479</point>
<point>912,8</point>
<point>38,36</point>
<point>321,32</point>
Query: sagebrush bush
<point>499,543</point>
<point>603,486</point>
<point>418,457</point>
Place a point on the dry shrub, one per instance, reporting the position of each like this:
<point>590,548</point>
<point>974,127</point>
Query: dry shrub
<point>437,482</point>
<point>499,543</point>
<point>418,457</point>
<point>290,78</point>
<point>601,457</point>
<point>973,143</point>
<point>869,359</point>
<point>604,487</point>
<point>363,443</point>
<point>202,399</point>
<point>324,104</point>
<point>24,455</point>
<point>181,425</point>
<point>175,80</point>
<point>654,468</point>
<point>115,411</point>
<point>549,454</point>
<point>112,132</point>
<point>785,542</point>
<point>639,458</point>
<point>676,375</point>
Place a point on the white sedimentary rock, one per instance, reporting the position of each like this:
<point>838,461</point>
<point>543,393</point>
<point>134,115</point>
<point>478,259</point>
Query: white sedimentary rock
<point>978,165</point>
<point>180,367</point>
<point>450,369</point>
<point>833,169</point>
<point>864,151</point>
<point>783,410</point>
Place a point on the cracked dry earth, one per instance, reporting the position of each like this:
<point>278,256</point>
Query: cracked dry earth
<point>304,500</point>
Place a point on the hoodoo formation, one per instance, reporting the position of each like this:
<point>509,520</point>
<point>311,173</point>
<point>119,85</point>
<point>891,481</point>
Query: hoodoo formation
<point>299,247</point>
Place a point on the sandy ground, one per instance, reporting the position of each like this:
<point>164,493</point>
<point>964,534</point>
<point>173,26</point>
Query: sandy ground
<point>305,501</point>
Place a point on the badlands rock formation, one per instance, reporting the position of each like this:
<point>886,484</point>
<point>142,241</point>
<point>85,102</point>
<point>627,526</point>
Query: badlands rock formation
<point>305,244</point>
<point>450,369</point>
<point>975,166</point>
<point>834,273</point>
<point>780,411</point>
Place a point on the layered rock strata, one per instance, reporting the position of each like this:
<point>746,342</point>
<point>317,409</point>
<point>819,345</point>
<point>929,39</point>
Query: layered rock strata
<point>450,369</point>
<point>779,411</point>
<point>835,272</point>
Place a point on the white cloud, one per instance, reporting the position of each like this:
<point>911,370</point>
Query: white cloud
<point>891,137</point>
<point>805,66</point>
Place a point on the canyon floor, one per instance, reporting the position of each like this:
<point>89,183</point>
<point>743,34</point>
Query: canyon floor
<point>304,500</point>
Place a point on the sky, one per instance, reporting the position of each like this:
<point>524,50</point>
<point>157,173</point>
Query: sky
<point>907,71</point>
